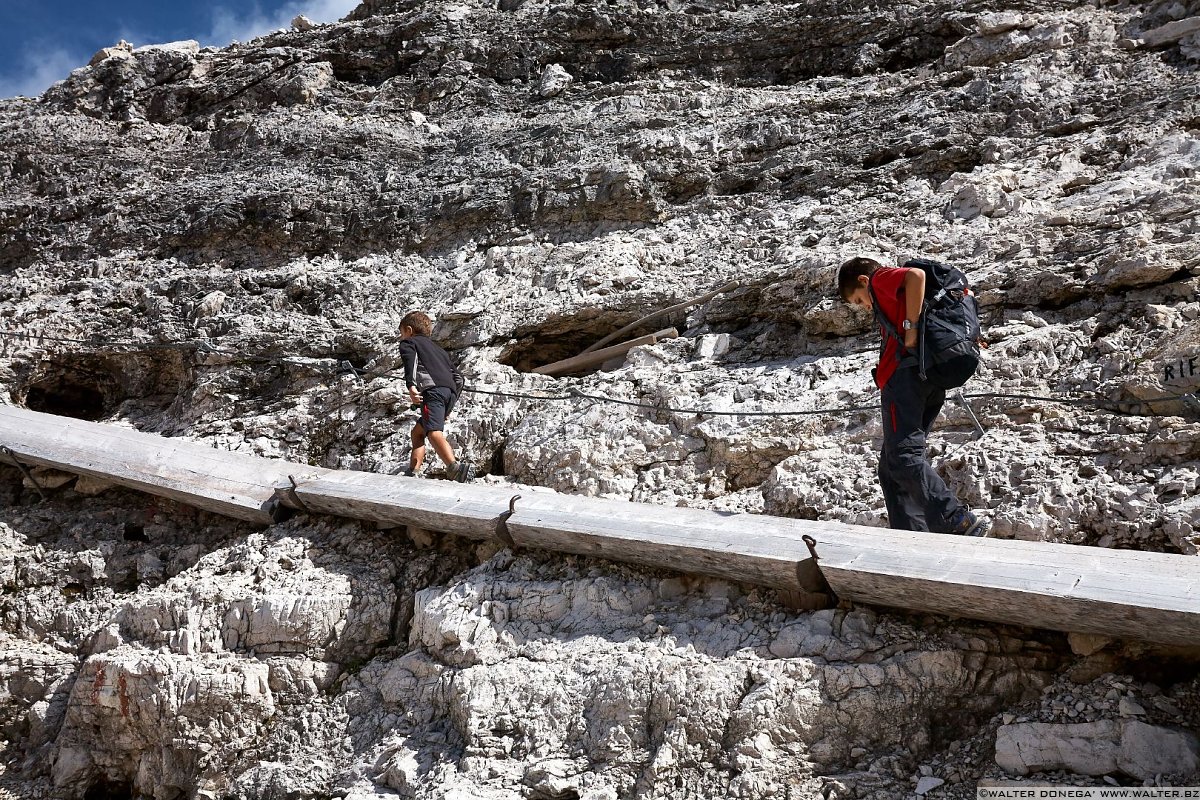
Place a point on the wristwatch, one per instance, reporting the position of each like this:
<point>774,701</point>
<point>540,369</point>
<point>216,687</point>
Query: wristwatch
<point>907,325</point>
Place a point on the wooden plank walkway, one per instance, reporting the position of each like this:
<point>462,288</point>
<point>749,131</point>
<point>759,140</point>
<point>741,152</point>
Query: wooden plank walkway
<point>443,506</point>
<point>1118,593</point>
<point>232,484</point>
<point>741,547</point>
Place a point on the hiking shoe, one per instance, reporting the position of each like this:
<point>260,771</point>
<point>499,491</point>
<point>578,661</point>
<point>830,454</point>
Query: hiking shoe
<point>458,471</point>
<point>965,523</point>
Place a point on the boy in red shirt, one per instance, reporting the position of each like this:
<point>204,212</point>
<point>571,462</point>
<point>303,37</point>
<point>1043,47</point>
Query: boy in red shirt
<point>917,498</point>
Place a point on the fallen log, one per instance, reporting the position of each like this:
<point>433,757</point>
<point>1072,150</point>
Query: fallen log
<point>1113,593</point>
<point>695,301</point>
<point>596,358</point>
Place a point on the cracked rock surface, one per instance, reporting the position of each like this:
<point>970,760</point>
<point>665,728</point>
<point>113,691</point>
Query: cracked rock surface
<point>219,244</point>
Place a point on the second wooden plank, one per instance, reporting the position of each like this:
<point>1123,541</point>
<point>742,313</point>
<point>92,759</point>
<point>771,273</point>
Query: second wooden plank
<point>738,547</point>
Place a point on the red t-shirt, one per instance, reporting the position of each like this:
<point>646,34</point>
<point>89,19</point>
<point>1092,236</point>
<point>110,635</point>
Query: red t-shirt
<point>888,283</point>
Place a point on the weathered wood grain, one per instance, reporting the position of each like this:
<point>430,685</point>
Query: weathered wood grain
<point>227,483</point>
<point>443,506</point>
<point>740,547</point>
<point>1118,593</point>
<point>597,357</point>
<point>1148,596</point>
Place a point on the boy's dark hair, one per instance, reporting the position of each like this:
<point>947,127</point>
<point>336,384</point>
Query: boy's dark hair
<point>851,271</point>
<point>419,321</point>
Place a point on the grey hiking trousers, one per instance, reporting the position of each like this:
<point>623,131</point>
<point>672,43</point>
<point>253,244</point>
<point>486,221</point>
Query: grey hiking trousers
<point>917,498</point>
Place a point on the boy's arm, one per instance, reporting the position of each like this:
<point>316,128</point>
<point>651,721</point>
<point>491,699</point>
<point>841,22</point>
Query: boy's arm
<point>914,300</point>
<point>459,383</point>
<point>408,356</point>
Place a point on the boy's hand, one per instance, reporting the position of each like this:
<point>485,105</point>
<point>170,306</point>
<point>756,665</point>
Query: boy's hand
<point>414,395</point>
<point>910,339</point>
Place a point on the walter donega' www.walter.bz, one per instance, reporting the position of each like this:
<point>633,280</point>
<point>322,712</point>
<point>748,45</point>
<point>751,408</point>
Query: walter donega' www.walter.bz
<point>1096,793</point>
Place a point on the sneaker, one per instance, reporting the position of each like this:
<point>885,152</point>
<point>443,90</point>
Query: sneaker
<point>458,471</point>
<point>965,523</point>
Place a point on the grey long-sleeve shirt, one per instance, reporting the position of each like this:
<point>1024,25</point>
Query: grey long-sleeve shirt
<point>426,365</point>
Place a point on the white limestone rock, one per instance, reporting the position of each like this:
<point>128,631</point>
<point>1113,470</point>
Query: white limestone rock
<point>152,712</point>
<point>326,181</point>
<point>555,79</point>
<point>1097,748</point>
<point>122,49</point>
<point>927,784</point>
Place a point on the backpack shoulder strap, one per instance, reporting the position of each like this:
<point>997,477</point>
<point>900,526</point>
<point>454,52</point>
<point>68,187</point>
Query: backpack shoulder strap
<point>883,321</point>
<point>905,356</point>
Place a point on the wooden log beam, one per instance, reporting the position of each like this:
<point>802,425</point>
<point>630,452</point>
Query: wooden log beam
<point>767,551</point>
<point>232,484</point>
<point>443,506</point>
<point>662,312</point>
<point>1117,593</point>
<point>598,357</point>
<point>748,548</point>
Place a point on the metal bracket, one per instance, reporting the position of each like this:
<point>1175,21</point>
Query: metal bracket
<point>962,401</point>
<point>6,450</point>
<point>295,498</point>
<point>502,532</point>
<point>812,591</point>
<point>811,543</point>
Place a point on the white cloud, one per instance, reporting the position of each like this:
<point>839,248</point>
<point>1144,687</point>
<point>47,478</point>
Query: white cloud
<point>230,25</point>
<point>35,73</point>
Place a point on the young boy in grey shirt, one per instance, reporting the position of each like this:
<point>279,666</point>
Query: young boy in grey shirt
<point>434,384</point>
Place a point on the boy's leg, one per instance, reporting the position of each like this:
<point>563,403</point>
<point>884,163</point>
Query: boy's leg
<point>954,508</point>
<point>441,447</point>
<point>433,418</point>
<point>418,449</point>
<point>909,408</point>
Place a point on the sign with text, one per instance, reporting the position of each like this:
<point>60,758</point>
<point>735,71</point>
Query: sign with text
<point>1184,368</point>
<point>1017,792</point>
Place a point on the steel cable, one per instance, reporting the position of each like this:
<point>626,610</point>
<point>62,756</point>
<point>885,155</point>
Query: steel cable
<point>207,348</point>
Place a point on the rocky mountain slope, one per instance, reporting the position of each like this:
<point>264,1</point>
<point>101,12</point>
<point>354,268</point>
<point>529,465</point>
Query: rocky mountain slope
<point>220,243</point>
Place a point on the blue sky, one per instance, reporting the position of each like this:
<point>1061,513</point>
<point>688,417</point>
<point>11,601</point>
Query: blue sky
<point>41,41</point>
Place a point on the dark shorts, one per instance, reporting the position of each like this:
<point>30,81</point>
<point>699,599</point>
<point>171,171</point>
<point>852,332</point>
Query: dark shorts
<point>435,405</point>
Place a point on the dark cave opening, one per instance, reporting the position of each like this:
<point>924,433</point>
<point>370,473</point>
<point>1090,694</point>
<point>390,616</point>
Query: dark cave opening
<point>135,533</point>
<point>93,386</point>
<point>108,790</point>
<point>80,386</point>
<point>68,397</point>
<point>559,339</point>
